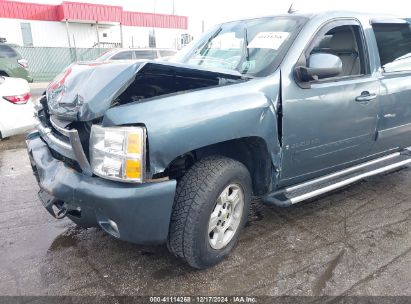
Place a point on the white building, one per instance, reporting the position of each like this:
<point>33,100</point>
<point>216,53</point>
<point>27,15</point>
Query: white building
<point>86,25</point>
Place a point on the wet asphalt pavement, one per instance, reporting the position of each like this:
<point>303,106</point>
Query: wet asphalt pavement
<point>354,242</point>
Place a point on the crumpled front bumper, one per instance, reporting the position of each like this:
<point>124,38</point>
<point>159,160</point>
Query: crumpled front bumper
<point>140,212</point>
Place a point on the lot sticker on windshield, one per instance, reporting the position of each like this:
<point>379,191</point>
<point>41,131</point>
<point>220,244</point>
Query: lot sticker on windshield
<point>268,40</point>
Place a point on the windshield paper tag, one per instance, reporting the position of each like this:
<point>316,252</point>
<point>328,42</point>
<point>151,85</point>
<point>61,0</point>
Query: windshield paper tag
<point>268,40</point>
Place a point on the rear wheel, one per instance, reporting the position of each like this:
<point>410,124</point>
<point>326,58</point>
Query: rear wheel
<point>210,209</point>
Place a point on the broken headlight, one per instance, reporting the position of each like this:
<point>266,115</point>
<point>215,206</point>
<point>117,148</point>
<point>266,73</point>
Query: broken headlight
<point>118,153</point>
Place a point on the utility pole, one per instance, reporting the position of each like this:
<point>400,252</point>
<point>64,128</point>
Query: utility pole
<point>121,35</point>
<point>152,38</point>
<point>98,38</point>
<point>73,52</point>
<point>68,33</point>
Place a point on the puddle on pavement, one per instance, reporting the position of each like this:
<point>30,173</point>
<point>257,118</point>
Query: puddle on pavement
<point>15,142</point>
<point>65,240</point>
<point>164,273</point>
<point>327,274</point>
<point>172,272</point>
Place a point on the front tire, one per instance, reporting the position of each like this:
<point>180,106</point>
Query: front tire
<point>210,209</point>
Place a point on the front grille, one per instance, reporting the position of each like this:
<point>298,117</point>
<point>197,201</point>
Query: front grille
<point>44,118</point>
<point>84,131</point>
<point>68,140</point>
<point>67,161</point>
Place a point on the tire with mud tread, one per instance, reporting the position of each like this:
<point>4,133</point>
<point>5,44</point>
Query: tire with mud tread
<point>197,196</point>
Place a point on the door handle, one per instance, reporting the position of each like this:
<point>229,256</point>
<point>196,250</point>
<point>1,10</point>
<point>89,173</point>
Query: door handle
<point>365,97</point>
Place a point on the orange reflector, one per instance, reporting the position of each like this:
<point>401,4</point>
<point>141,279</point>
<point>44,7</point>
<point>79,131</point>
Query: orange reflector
<point>133,169</point>
<point>134,143</point>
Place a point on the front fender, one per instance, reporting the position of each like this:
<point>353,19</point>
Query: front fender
<point>185,122</point>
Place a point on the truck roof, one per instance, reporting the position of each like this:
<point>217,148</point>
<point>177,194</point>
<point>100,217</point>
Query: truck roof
<point>332,14</point>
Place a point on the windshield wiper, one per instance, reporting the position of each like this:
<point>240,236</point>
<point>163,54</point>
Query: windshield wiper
<point>201,48</point>
<point>205,45</point>
<point>246,53</point>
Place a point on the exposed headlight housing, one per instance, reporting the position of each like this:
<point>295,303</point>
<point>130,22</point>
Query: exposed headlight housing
<point>118,153</point>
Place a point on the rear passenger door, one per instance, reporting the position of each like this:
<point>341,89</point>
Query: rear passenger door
<point>393,38</point>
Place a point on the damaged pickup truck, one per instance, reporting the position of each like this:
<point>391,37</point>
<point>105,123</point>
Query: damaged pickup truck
<point>282,108</point>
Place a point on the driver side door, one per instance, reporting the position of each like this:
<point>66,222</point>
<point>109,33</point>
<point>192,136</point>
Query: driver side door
<point>330,123</point>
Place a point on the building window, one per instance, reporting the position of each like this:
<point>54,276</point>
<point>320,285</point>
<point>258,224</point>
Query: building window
<point>26,34</point>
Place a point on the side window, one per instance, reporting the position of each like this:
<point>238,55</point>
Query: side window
<point>7,52</point>
<point>123,56</point>
<point>346,42</point>
<point>167,53</point>
<point>146,54</point>
<point>394,46</point>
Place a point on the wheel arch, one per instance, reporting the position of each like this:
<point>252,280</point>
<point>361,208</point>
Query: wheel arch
<point>252,152</point>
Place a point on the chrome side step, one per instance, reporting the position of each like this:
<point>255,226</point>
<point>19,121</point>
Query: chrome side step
<point>330,182</point>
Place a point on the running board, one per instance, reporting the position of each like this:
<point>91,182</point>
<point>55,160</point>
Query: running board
<point>301,192</point>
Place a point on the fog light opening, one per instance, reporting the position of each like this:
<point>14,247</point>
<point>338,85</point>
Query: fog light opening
<point>110,227</point>
<point>59,210</point>
<point>75,212</point>
<point>113,225</point>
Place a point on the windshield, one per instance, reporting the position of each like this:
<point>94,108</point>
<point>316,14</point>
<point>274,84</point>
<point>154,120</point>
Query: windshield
<point>253,47</point>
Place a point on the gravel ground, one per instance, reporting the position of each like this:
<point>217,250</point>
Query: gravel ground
<point>353,242</point>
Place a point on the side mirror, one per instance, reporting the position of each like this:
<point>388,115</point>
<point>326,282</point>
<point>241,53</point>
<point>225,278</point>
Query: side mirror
<point>320,65</point>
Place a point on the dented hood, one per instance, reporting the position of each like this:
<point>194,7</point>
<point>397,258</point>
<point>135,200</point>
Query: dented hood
<point>84,91</point>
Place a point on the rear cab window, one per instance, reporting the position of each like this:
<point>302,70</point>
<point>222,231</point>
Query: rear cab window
<point>145,54</point>
<point>167,53</point>
<point>7,52</point>
<point>128,55</point>
<point>394,46</point>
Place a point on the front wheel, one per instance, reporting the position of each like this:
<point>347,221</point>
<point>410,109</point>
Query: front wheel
<point>210,209</point>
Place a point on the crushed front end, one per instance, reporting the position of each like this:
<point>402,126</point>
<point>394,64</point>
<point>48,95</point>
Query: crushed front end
<point>98,175</point>
<point>60,158</point>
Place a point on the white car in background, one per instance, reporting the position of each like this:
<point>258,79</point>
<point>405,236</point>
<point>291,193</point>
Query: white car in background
<point>16,107</point>
<point>136,54</point>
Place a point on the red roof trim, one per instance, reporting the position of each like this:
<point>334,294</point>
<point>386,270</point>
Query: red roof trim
<point>28,11</point>
<point>154,20</point>
<point>78,11</point>
<point>89,11</point>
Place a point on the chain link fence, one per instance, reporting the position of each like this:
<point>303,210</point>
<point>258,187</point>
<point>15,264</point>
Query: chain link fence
<point>47,62</point>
